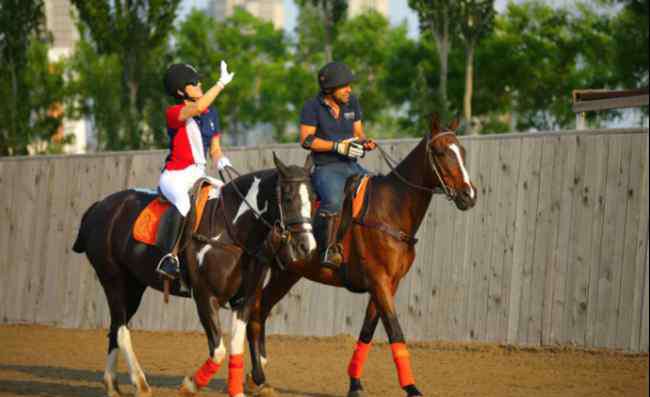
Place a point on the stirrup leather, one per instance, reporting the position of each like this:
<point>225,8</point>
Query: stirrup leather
<point>333,256</point>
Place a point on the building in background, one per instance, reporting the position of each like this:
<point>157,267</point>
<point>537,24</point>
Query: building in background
<point>59,22</point>
<point>356,7</point>
<point>269,10</point>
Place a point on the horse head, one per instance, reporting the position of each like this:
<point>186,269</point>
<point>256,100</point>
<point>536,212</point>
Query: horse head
<point>293,236</point>
<point>446,157</point>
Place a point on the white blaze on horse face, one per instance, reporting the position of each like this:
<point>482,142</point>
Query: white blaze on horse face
<point>201,254</point>
<point>251,197</point>
<point>124,342</point>
<point>305,211</point>
<point>454,148</point>
<point>238,334</point>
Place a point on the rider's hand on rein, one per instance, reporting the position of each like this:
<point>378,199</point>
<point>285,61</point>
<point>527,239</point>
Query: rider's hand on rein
<point>349,148</point>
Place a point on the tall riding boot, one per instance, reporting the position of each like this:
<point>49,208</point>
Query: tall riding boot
<point>331,252</point>
<point>169,234</point>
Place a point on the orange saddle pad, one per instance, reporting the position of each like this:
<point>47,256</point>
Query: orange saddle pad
<point>145,228</point>
<point>357,205</point>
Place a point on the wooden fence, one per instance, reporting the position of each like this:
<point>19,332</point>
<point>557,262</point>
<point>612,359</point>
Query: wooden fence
<point>555,252</point>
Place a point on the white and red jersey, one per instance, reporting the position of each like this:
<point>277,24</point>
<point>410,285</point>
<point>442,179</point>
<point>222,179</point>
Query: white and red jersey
<point>190,139</point>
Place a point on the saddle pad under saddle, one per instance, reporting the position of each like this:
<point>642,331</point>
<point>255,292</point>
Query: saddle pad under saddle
<point>358,201</point>
<point>145,228</point>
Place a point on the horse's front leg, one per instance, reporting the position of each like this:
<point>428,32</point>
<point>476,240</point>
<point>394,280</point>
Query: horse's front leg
<point>383,297</point>
<point>208,308</point>
<point>236,359</point>
<point>278,286</point>
<point>360,355</point>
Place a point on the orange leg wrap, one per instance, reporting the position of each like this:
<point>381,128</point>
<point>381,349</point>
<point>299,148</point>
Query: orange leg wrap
<point>403,363</point>
<point>359,357</point>
<point>236,375</point>
<point>205,373</point>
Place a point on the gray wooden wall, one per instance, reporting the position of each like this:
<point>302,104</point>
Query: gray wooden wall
<point>555,252</point>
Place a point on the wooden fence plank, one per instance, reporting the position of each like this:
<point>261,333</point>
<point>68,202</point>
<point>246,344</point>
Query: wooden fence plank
<point>620,330</point>
<point>555,332</point>
<point>644,331</point>
<point>8,173</point>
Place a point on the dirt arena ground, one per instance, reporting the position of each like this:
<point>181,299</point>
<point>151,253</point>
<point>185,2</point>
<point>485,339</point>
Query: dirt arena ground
<point>52,362</point>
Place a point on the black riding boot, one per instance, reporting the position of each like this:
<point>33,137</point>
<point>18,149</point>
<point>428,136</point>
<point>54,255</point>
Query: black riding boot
<point>330,250</point>
<point>168,235</point>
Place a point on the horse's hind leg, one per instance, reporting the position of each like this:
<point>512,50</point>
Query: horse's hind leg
<point>208,308</point>
<point>123,300</point>
<point>355,368</point>
<point>236,359</point>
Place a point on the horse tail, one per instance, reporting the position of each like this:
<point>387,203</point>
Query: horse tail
<point>79,245</point>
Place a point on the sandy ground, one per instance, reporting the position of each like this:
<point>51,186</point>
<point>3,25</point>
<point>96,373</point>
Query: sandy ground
<point>53,362</point>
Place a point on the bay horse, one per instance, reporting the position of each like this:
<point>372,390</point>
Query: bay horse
<point>381,252</point>
<point>265,214</point>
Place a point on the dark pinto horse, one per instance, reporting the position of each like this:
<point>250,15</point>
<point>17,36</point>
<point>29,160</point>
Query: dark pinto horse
<point>265,214</point>
<point>381,252</point>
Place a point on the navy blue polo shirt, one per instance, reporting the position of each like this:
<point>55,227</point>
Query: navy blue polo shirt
<point>317,113</point>
<point>209,125</point>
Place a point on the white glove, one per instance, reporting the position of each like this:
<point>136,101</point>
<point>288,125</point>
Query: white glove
<point>349,148</point>
<point>225,77</point>
<point>223,162</point>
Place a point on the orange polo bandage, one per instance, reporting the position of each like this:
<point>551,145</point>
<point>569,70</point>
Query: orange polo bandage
<point>359,357</point>
<point>236,375</point>
<point>205,373</point>
<point>403,363</point>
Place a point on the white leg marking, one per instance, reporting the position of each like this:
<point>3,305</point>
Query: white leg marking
<point>219,354</point>
<point>305,211</point>
<point>456,151</point>
<point>124,342</point>
<point>110,374</point>
<point>251,197</point>
<point>264,361</point>
<point>201,254</point>
<point>238,334</point>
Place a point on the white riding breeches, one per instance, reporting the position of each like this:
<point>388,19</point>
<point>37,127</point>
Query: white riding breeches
<point>175,185</point>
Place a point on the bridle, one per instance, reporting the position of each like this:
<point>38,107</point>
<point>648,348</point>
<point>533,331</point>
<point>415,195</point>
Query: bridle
<point>281,230</point>
<point>447,190</point>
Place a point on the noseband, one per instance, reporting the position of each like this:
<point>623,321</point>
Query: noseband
<point>297,223</point>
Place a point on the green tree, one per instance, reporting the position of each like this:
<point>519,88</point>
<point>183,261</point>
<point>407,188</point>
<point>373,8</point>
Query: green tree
<point>331,12</point>
<point>630,36</point>
<point>477,20</point>
<point>29,84</point>
<point>440,18</point>
<point>257,53</point>
<point>132,37</point>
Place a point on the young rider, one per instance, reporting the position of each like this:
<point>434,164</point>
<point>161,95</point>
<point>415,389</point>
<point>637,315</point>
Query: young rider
<point>331,128</point>
<point>193,129</point>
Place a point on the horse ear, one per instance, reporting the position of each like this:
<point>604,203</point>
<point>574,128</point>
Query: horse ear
<point>435,123</point>
<point>279,164</point>
<point>309,163</point>
<point>454,124</point>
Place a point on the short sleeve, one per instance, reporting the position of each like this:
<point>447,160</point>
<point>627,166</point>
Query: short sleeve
<point>216,127</point>
<point>309,114</point>
<point>173,113</point>
<point>358,114</point>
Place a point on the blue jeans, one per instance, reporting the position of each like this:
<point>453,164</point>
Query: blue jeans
<point>329,181</point>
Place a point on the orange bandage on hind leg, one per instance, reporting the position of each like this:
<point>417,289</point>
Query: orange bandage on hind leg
<point>236,375</point>
<point>403,363</point>
<point>359,357</point>
<point>205,373</point>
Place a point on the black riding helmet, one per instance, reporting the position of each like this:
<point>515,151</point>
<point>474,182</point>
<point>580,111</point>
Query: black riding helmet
<point>333,75</point>
<point>178,76</point>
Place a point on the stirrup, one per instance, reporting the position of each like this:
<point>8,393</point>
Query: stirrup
<point>332,257</point>
<point>169,266</point>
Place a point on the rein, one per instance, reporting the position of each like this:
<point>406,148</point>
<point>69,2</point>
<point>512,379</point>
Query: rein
<point>443,188</point>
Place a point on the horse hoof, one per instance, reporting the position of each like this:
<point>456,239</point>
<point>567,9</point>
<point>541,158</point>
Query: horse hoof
<point>412,391</point>
<point>188,388</point>
<point>356,393</point>
<point>254,390</point>
<point>144,393</point>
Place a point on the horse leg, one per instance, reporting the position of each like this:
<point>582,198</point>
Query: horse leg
<point>120,298</point>
<point>208,309</point>
<point>360,355</point>
<point>236,358</point>
<point>277,287</point>
<point>383,297</point>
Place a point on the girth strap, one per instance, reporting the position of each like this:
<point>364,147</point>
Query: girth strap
<point>391,231</point>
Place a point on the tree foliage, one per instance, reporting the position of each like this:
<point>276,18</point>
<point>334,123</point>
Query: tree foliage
<point>29,84</point>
